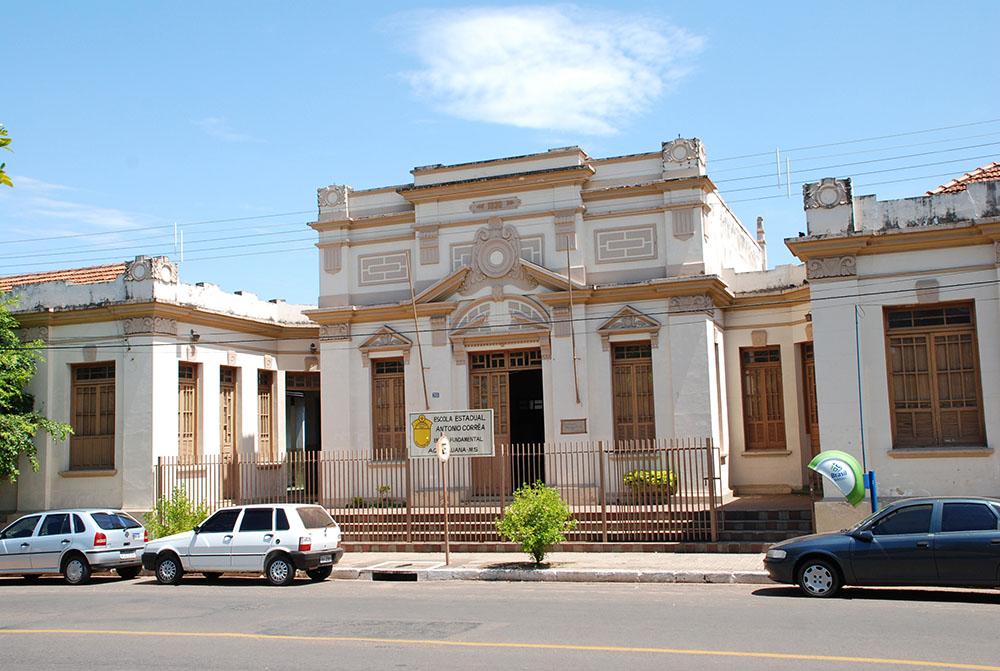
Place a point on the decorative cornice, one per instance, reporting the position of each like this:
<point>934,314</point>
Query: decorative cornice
<point>181,313</point>
<point>35,333</point>
<point>922,238</point>
<point>135,326</point>
<point>701,182</point>
<point>831,266</point>
<point>335,332</point>
<point>490,186</point>
<point>690,304</point>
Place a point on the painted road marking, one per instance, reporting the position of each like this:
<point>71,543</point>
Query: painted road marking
<point>788,656</point>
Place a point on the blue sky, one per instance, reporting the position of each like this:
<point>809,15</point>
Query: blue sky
<point>129,117</point>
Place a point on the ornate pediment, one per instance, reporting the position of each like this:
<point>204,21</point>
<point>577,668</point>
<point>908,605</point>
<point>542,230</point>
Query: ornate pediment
<point>629,321</point>
<point>384,340</point>
<point>496,260</point>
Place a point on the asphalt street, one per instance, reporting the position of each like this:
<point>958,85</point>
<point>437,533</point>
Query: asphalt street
<point>240,623</point>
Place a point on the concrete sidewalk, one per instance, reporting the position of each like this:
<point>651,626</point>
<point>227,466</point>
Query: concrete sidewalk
<point>635,567</point>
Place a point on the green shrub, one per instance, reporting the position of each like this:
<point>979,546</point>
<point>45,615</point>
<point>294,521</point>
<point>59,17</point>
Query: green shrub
<point>537,520</point>
<point>640,480</point>
<point>175,514</point>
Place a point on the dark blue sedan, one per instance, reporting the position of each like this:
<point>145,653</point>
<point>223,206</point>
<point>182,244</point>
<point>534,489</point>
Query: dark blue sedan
<point>930,542</point>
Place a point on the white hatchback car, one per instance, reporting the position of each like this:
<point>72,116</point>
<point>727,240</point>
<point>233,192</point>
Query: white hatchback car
<point>275,540</point>
<point>74,543</point>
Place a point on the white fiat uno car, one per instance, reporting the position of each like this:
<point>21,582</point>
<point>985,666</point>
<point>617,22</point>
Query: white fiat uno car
<point>275,540</point>
<point>73,543</point>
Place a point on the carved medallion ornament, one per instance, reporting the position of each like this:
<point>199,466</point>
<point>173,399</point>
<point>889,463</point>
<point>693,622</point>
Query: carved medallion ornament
<point>826,193</point>
<point>496,260</point>
<point>681,151</point>
<point>157,268</point>
<point>333,201</point>
<point>831,266</point>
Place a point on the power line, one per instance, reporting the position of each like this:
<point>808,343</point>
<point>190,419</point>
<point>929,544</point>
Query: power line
<point>864,139</point>
<point>871,150</point>
<point>140,229</point>
<point>770,175</point>
<point>549,322</point>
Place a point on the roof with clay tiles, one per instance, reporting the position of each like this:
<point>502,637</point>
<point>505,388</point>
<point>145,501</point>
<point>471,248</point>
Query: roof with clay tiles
<point>986,173</point>
<point>88,275</point>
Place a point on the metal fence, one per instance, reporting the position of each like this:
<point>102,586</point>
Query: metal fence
<point>640,491</point>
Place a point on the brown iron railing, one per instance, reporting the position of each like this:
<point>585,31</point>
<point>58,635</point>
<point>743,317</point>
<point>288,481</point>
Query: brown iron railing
<point>637,491</point>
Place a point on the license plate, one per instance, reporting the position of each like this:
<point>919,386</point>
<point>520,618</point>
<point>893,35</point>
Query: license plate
<point>127,555</point>
<point>326,559</point>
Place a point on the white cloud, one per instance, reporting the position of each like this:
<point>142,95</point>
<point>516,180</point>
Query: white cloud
<point>35,199</point>
<point>219,128</point>
<point>555,68</point>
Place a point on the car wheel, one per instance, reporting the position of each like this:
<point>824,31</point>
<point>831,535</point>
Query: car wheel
<point>320,574</point>
<point>280,572</point>
<point>168,570</point>
<point>819,578</point>
<point>128,572</point>
<point>76,570</point>
<point>212,576</point>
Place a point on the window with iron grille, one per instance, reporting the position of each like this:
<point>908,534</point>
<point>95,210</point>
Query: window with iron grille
<point>92,412</point>
<point>763,401</point>
<point>388,410</point>
<point>933,368</point>
<point>187,411</point>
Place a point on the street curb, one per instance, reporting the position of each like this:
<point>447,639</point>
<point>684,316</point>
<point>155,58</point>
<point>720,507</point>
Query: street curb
<point>560,575</point>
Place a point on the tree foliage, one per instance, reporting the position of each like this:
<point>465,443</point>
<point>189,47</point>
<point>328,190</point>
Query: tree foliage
<point>4,144</point>
<point>537,519</point>
<point>174,515</point>
<point>19,421</point>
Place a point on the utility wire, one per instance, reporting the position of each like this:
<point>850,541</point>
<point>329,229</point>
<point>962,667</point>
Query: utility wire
<point>587,318</point>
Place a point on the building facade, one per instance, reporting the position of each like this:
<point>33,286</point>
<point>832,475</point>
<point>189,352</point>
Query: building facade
<point>583,300</point>
<point>904,305</point>
<point>145,367</point>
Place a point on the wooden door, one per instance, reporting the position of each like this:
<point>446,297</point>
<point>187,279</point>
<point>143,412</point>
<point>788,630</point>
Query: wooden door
<point>187,412</point>
<point>227,431</point>
<point>809,390</point>
<point>763,402</point>
<point>491,389</point>
<point>632,394</point>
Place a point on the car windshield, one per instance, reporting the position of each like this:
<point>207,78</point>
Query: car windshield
<point>315,517</point>
<point>112,521</point>
<point>861,523</point>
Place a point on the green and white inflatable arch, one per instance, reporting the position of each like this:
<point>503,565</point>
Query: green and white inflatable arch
<point>842,470</point>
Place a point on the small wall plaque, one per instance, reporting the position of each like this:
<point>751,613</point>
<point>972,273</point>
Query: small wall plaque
<point>569,426</point>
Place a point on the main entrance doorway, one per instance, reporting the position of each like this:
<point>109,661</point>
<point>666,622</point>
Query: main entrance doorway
<point>302,434</point>
<point>509,383</point>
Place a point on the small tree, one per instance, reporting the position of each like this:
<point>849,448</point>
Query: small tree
<point>536,520</point>
<point>173,515</point>
<point>19,421</point>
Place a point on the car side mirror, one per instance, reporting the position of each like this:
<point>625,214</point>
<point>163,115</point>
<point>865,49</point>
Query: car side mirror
<point>865,536</point>
<point>197,529</point>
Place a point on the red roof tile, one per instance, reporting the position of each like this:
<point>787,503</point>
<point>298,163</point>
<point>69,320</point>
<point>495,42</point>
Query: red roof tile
<point>986,173</point>
<point>89,275</point>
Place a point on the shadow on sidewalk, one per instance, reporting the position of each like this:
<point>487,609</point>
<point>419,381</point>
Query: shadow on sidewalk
<point>892,594</point>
